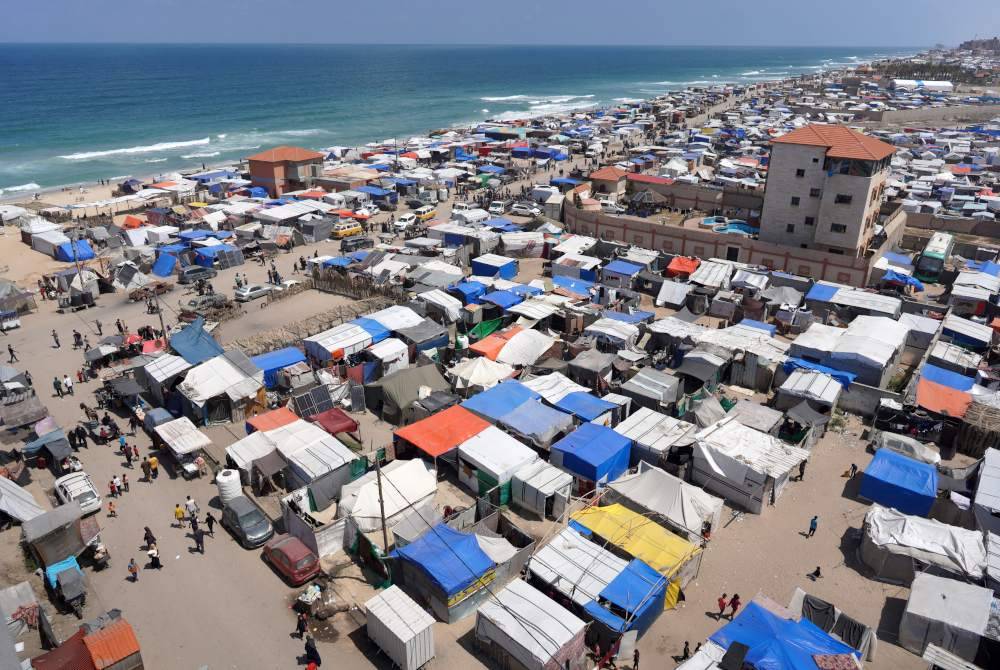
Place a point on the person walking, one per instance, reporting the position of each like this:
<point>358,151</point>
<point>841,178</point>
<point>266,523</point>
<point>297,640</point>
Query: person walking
<point>734,605</point>
<point>148,538</point>
<point>128,457</point>
<point>802,470</point>
<point>122,443</point>
<point>312,654</point>
<point>194,523</point>
<point>13,354</point>
<point>853,471</point>
<point>113,490</point>
<point>210,522</point>
<point>68,384</point>
<point>154,557</point>
<point>154,466</point>
<point>133,423</point>
<point>112,512</point>
<point>635,659</point>
<point>100,326</point>
<point>723,604</point>
<point>301,625</point>
<point>179,515</point>
<point>27,378</point>
<point>57,385</point>
<point>146,470</point>
<point>686,654</point>
<point>125,482</point>
<point>813,523</point>
<point>118,484</point>
<point>120,326</point>
<point>133,570</point>
<point>199,541</point>
<point>55,338</point>
<point>191,507</point>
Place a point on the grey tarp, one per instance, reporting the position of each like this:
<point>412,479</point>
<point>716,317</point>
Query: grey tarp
<point>782,295</point>
<point>57,534</point>
<point>651,384</point>
<point>394,393</point>
<point>22,413</point>
<point>16,502</point>
<point>125,387</point>
<point>806,415</point>
<point>819,612</point>
<point>270,464</point>
<point>758,417</point>
<point>427,331</point>
<point>708,411</point>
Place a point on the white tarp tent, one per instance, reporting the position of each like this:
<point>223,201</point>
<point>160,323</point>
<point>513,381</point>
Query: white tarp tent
<point>525,348</point>
<point>338,342</point>
<point>393,353</point>
<point>182,436</point>
<point>816,342</point>
<point>673,294</point>
<point>400,628</point>
<point>244,452</point>
<point>396,318</point>
<point>684,507</point>
<point>494,453</point>
<point>16,502</point>
<point>554,386</point>
<point>450,305</point>
<point>310,451</point>
<point>576,567</point>
<point>653,433</point>
<point>535,630</point>
<point>404,484</point>
<point>533,485</point>
<point>945,612</point>
<point>218,376</point>
<point>614,331</point>
<point>479,373</point>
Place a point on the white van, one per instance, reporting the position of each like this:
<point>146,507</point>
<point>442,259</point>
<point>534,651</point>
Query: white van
<point>498,207</point>
<point>609,207</point>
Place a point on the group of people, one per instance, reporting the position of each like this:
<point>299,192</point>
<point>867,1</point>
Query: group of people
<point>62,387</point>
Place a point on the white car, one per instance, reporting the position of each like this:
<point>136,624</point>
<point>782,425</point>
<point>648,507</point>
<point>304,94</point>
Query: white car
<point>252,292</point>
<point>286,284</point>
<point>78,486</point>
<point>609,207</point>
<point>405,221</point>
<point>522,209</point>
<point>497,208</point>
<point>367,210</point>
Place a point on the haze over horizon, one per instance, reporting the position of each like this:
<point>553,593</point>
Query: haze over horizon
<point>889,23</point>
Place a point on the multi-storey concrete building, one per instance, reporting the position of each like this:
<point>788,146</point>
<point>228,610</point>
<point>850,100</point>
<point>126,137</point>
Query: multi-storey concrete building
<point>284,169</point>
<point>825,185</point>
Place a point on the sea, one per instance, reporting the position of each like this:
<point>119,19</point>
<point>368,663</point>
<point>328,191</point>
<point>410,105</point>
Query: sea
<point>75,113</point>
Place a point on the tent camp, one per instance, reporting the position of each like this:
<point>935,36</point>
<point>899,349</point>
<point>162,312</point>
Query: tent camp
<point>653,435</point>
<point>442,432</point>
<point>500,400</point>
<point>400,628</point>
<point>275,361</point>
<point>897,481</point>
<point>338,342</point>
<point>593,454</point>
<point>17,503</point>
<point>945,612</point>
<point>681,507</point>
<point>405,484</point>
<point>223,388</point>
<point>536,423</point>
<point>631,601</point>
<point>489,459</point>
<point>576,567</point>
<point>478,374</point>
<point>541,488</point>
<point>392,396</point>
<point>525,348</point>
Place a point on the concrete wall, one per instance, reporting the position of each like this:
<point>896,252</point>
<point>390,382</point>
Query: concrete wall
<point>927,115</point>
<point>783,222</point>
<point>864,400</point>
<point>859,216</point>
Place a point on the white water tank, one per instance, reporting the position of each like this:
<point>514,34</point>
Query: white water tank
<point>229,485</point>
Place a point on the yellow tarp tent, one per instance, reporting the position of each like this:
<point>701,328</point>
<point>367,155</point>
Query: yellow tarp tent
<point>641,538</point>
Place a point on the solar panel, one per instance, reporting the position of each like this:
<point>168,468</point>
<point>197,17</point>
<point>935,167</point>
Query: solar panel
<point>313,401</point>
<point>230,258</point>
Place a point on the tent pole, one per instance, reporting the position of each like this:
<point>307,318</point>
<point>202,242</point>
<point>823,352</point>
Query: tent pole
<point>381,503</point>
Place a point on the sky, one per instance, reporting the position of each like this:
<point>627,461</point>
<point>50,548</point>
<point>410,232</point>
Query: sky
<point>649,22</point>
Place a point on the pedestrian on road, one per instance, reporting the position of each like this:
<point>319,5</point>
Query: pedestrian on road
<point>301,625</point>
<point>154,557</point>
<point>100,326</point>
<point>13,354</point>
<point>77,339</point>
<point>133,570</point>
<point>68,384</point>
<point>179,515</point>
<point>120,326</point>
<point>154,466</point>
<point>734,605</point>
<point>118,484</point>
<point>57,385</point>
<point>128,457</point>
<point>802,470</point>
<point>81,436</point>
<point>135,452</point>
<point>27,377</point>
<point>55,338</point>
<point>122,444</point>
<point>812,526</point>
<point>854,470</point>
<point>312,654</point>
<point>133,423</point>
<point>635,658</point>
<point>144,466</point>
<point>199,541</point>
<point>112,512</point>
<point>723,603</point>
<point>815,574</point>
<point>148,537</point>
<point>191,507</point>
<point>194,523</point>
<point>687,651</point>
<point>125,482</point>
<point>210,522</point>
<point>112,488</point>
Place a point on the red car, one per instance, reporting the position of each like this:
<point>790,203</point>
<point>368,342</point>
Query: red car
<point>292,558</point>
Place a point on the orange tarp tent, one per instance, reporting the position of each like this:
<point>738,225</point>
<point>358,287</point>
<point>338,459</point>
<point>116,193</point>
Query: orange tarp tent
<point>490,346</point>
<point>942,399</point>
<point>682,265</point>
<point>112,644</point>
<point>276,418</point>
<point>133,222</point>
<point>444,431</point>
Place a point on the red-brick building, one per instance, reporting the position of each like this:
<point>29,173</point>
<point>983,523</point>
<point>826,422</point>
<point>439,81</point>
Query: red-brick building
<point>284,169</point>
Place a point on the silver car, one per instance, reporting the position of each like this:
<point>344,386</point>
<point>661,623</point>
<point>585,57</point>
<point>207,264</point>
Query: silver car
<point>253,291</point>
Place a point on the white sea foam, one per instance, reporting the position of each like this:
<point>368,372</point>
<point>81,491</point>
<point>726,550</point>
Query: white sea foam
<point>307,132</point>
<point>221,136</point>
<point>628,100</point>
<point>207,154</point>
<point>156,160</point>
<point>503,98</point>
<point>749,73</point>
<point>161,146</point>
<point>31,186</point>
<point>485,111</point>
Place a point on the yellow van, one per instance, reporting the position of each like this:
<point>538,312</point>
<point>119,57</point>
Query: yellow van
<point>347,228</point>
<point>425,213</point>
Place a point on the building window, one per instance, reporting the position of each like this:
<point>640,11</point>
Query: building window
<point>815,193</point>
<point>790,228</point>
<point>800,173</point>
<point>843,199</point>
<point>768,263</point>
<point>815,160</point>
<point>839,252</point>
<point>795,201</point>
<point>843,277</point>
<point>838,228</point>
<point>810,220</point>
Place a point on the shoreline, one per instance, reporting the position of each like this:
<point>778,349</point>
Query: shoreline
<point>26,196</point>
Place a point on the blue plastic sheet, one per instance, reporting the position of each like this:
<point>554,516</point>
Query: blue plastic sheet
<point>272,362</point>
<point>634,317</point>
<point>502,299</point>
<point>195,345</point>
<point>373,328</point>
<point>640,591</point>
<point>822,292</point>
<point>584,405</point>
<point>759,325</point>
<point>578,286</point>
<point>451,559</point>
<point>946,377</point>
<point>623,268</point>
<point>503,398</point>
<point>594,452</point>
<point>164,265</point>
<point>845,378</point>
<point>905,280</point>
<point>900,482</point>
<point>470,291</point>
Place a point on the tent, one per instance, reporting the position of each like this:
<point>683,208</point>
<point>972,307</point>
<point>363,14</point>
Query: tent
<point>682,266</point>
<point>900,482</point>
<point>392,396</point>
<point>528,626</point>
<point>639,592</point>
<point>500,400</point>
<point>777,643</point>
<point>182,436</point>
<point>536,423</point>
<point>489,459</point>
<point>479,373</point>
<point>654,435</point>
<point>400,628</point>
<point>16,502</point>
<point>337,342</point>
<point>641,537</point>
<point>276,418</point>
<point>271,363</point>
<point>194,344</point>
<point>492,265</point>
<point>592,453</point>
<point>576,567</point>
<point>334,421</point>
<point>451,560</point>
<point>75,250</point>
<point>405,485</point>
<point>442,432</point>
<point>536,484</point>
<point>947,613</point>
<point>525,348</point>
<point>684,508</point>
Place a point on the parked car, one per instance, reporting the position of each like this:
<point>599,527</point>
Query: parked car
<point>192,274</point>
<point>292,559</point>
<point>405,221</point>
<point>207,301</point>
<point>246,522</point>
<point>149,290</point>
<point>525,209</point>
<point>347,229</point>
<point>79,487</point>
<point>498,208</point>
<point>425,213</point>
<point>285,285</point>
<point>462,207</point>
<point>609,207</point>
<point>252,292</point>
<point>415,203</point>
<point>349,244</point>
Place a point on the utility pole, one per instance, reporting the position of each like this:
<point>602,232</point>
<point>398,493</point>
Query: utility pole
<point>381,503</point>
<point>159,313</point>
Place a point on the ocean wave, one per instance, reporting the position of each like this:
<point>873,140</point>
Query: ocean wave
<point>31,186</point>
<point>161,146</point>
<point>221,136</point>
<point>307,132</point>
<point>547,109</point>
<point>749,73</point>
<point>156,160</point>
<point>207,154</point>
<point>628,100</point>
<point>503,98</point>
<point>484,110</point>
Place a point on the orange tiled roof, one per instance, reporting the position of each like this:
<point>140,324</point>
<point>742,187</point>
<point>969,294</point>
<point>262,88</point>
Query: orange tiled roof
<point>283,154</point>
<point>840,142</point>
<point>111,644</point>
<point>609,173</point>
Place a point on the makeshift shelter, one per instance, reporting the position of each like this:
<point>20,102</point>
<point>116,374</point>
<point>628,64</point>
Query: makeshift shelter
<point>525,348</point>
<point>524,624</point>
<point>681,507</point>
<point>273,362</point>
<point>619,273</point>
<point>427,335</point>
<point>440,433</point>
<point>276,418</point>
<point>946,613</point>
<point>986,504</point>
<point>574,566</point>
<point>613,332</point>
<point>182,437</point>
<point>638,592</point>
<point>53,443</point>
<point>315,459</point>
<point>541,488</point>
<point>673,294</point>
<point>536,423</point>
<point>682,266</point>
<point>897,546</point>
<point>224,388</point>
<point>405,485</point>
<point>392,397</point>
<point>492,265</point>
<point>500,400</point>
<point>488,461</point>
<point>900,482</point>
<point>334,421</point>
<point>653,389</point>
<point>593,454</point>
<point>447,569</point>
<point>478,374</point>
<point>194,344</point>
<point>16,502</point>
<point>400,628</point>
<point>58,533</point>
<point>654,435</point>
<point>591,368</point>
<point>389,356</point>
<point>336,343</point>
<point>639,537</point>
<point>161,374</point>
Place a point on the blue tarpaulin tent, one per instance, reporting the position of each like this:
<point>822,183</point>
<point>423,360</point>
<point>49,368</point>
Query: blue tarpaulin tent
<point>898,259</point>
<point>905,280</point>
<point>521,152</point>
<point>164,265</point>
<point>639,591</point>
<point>205,256</point>
<point>494,266</point>
<point>195,345</point>
<point>274,361</point>
<point>897,481</point>
<point>500,400</point>
<point>634,317</point>
<point>191,235</point>
<point>946,377</point>
<point>759,325</point>
<point>845,378</point>
<point>578,286</point>
<point>468,292</point>
<point>539,423</point>
<point>337,261</point>
<point>491,169</point>
<point>78,250</point>
<point>525,290</point>
<point>175,248</point>
<point>373,328</point>
<point>502,299</point>
<point>822,292</point>
<point>592,452</point>
<point>622,268</point>
<point>584,406</point>
<point>451,559</point>
<point>56,442</point>
<point>776,643</point>
<point>257,192</point>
